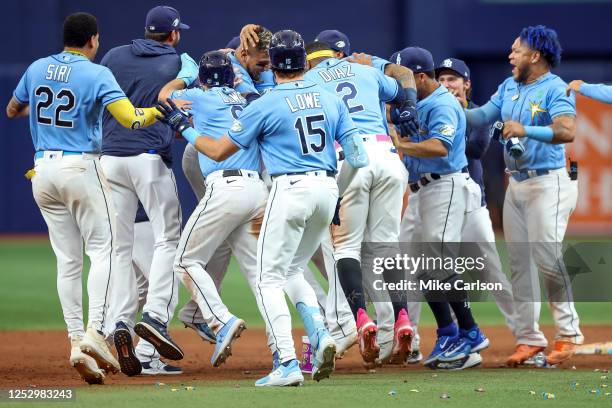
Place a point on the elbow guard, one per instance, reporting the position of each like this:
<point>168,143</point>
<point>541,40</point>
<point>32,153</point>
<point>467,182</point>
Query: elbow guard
<point>354,151</point>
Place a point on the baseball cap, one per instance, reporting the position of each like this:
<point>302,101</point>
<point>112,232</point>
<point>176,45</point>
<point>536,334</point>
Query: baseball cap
<point>336,40</point>
<point>163,19</point>
<point>416,58</point>
<point>456,65</point>
<point>233,43</point>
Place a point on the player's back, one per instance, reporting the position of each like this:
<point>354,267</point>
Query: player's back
<point>67,93</point>
<point>363,89</point>
<point>296,124</point>
<point>214,112</point>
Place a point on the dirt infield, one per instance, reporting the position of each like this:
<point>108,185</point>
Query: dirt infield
<point>41,357</point>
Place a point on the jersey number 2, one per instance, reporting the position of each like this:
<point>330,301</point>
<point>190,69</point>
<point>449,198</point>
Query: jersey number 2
<point>64,95</point>
<point>312,131</point>
<point>347,97</point>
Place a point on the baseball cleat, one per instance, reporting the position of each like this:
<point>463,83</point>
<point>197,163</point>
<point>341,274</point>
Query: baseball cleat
<point>414,357</point>
<point>366,332</point>
<point>324,357</point>
<point>94,345</point>
<point>447,337</point>
<point>156,333</point>
<point>129,363</point>
<point>477,340</point>
<point>287,374</point>
<point>158,367</point>
<point>203,331</point>
<point>402,338</point>
<point>522,353</point>
<point>345,343</point>
<point>384,355</point>
<point>228,333</point>
<point>563,350</point>
<point>458,350</point>
<point>472,360</point>
<point>86,366</point>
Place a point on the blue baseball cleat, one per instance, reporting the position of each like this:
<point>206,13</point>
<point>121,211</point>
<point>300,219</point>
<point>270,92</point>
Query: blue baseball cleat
<point>443,343</point>
<point>478,341</point>
<point>203,331</point>
<point>156,333</point>
<point>228,333</point>
<point>457,350</point>
<point>288,374</point>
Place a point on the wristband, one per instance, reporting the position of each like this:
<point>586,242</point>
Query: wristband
<point>539,133</point>
<point>190,134</point>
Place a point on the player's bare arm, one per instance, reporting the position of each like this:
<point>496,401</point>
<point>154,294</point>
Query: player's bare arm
<point>426,149</point>
<point>175,85</point>
<point>15,109</point>
<point>402,74</point>
<point>216,149</point>
<point>562,130</point>
<point>574,86</point>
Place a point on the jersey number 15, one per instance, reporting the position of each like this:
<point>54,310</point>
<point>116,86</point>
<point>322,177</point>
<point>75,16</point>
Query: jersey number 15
<point>311,130</point>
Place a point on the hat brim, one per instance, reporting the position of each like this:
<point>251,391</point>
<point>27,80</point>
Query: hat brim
<point>183,26</point>
<point>459,74</point>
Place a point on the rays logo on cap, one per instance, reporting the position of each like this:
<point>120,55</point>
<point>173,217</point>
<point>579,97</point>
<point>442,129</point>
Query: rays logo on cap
<point>340,44</point>
<point>398,59</point>
<point>175,22</point>
<point>447,63</point>
<point>151,28</point>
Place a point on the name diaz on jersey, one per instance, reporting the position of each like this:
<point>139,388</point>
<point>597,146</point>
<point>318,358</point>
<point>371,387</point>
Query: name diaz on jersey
<point>335,73</point>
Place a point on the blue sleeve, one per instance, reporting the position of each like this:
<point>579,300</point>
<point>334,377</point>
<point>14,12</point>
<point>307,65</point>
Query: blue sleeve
<point>498,97</point>
<point>266,82</point>
<point>477,143</point>
<point>346,127</point>
<point>559,103</point>
<point>600,92</point>
<point>246,86</point>
<point>248,127</point>
<point>107,88</point>
<point>387,87</point>
<point>21,92</point>
<point>443,124</point>
<point>379,63</point>
<point>482,116</point>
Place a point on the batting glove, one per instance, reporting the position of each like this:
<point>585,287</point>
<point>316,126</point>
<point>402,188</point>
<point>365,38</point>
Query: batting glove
<point>406,120</point>
<point>172,116</point>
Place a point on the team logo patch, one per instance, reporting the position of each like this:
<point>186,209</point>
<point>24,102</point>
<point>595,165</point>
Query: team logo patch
<point>447,63</point>
<point>237,127</point>
<point>151,28</point>
<point>398,60</point>
<point>447,130</point>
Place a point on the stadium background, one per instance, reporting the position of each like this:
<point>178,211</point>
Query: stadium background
<point>478,31</point>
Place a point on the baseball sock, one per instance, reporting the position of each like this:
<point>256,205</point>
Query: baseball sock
<point>441,312</point>
<point>349,274</point>
<point>313,322</point>
<point>464,314</point>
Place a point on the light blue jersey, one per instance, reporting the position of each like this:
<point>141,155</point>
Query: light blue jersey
<point>535,104</point>
<point>363,89</point>
<point>248,85</point>
<point>67,94</point>
<point>441,117</point>
<point>295,126</point>
<point>599,92</point>
<point>214,111</point>
<point>379,63</point>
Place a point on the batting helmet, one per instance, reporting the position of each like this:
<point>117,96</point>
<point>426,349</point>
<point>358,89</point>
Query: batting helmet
<point>216,69</point>
<point>287,52</point>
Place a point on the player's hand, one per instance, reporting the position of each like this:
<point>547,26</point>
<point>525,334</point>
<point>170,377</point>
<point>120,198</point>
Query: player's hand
<point>574,86</point>
<point>360,58</point>
<point>336,219</point>
<point>172,116</point>
<point>406,120</point>
<point>248,36</point>
<point>513,129</point>
<point>237,77</point>
<point>182,104</point>
<point>189,69</point>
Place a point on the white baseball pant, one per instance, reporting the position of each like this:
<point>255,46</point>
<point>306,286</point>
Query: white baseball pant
<point>146,178</point>
<point>536,213</point>
<point>75,200</point>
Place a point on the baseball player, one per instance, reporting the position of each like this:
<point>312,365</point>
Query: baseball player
<point>138,169</point>
<point>437,154</point>
<point>454,74</point>
<point>303,197</point>
<point>371,206</point>
<point>599,92</point>
<point>67,93</point>
<point>540,198</point>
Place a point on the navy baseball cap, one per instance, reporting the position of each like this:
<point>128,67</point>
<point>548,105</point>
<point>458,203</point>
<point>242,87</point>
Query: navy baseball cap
<point>163,19</point>
<point>336,40</point>
<point>233,43</point>
<point>456,65</point>
<point>416,58</point>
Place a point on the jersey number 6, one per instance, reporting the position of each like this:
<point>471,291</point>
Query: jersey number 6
<point>312,131</point>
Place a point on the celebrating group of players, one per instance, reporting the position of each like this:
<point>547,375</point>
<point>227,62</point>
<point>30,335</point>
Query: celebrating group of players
<point>269,121</point>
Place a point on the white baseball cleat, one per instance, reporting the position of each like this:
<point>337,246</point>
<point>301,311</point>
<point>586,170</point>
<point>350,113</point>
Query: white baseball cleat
<point>345,343</point>
<point>85,365</point>
<point>472,360</point>
<point>283,376</point>
<point>94,345</point>
<point>158,367</point>
<point>324,357</point>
